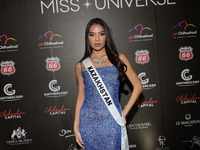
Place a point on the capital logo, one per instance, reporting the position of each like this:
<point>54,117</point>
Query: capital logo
<point>142,56</point>
<point>53,64</point>
<point>7,67</point>
<point>184,30</point>
<point>186,99</point>
<point>4,38</point>
<point>7,90</point>
<point>52,87</point>
<point>53,110</point>
<point>185,53</point>
<point>141,103</point>
<point>8,114</point>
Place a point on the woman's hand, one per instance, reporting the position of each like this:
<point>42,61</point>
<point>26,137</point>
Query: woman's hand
<point>79,139</point>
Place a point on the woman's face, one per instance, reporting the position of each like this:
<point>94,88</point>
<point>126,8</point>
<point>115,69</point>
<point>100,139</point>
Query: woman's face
<point>97,37</point>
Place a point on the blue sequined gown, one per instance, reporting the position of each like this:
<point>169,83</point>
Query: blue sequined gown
<point>99,131</point>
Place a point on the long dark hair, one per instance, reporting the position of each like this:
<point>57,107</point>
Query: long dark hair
<point>110,47</point>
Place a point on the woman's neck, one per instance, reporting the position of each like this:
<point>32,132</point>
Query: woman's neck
<point>98,54</point>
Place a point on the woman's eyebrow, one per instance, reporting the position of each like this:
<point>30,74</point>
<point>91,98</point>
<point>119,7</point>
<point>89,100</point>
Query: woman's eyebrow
<point>95,32</point>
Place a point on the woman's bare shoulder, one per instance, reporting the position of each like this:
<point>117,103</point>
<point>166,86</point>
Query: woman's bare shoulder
<point>78,64</point>
<point>78,67</point>
<point>122,56</point>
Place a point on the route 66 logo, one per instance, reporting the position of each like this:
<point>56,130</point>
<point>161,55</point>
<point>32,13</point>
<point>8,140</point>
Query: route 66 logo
<point>7,67</point>
<point>185,53</point>
<point>53,64</point>
<point>142,56</point>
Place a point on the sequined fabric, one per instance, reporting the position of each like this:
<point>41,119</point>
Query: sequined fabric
<point>98,129</point>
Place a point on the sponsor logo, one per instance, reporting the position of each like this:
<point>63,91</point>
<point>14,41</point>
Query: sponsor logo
<point>73,147</point>
<point>141,103</point>
<point>7,44</point>
<point>132,146</point>
<point>162,139</point>
<point>187,77</point>
<point>138,126</point>
<point>53,64</point>
<point>55,90</point>
<point>184,30</point>
<point>50,40</point>
<point>145,81</point>
<point>7,67</point>
<point>66,133</point>
<point>8,114</point>
<point>185,99</point>
<point>188,122</point>
<point>61,6</point>
<point>142,56</point>
<point>140,33</point>
<point>53,110</point>
<point>18,137</point>
<point>185,53</point>
<point>194,141</point>
<point>10,94</point>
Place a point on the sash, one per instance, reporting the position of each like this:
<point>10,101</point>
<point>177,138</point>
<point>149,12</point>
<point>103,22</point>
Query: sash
<point>107,99</point>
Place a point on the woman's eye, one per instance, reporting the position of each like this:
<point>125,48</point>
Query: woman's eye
<point>91,34</point>
<point>102,34</point>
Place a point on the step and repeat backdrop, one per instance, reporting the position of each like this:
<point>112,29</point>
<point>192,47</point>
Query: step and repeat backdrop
<point>41,41</point>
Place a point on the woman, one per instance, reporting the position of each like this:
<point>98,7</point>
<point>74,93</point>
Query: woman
<point>94,126</point>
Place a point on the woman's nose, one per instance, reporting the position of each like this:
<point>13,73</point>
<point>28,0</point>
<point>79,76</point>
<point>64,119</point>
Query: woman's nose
<point>97,38</point>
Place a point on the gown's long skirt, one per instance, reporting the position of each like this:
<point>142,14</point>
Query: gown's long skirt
<point>99,131</point>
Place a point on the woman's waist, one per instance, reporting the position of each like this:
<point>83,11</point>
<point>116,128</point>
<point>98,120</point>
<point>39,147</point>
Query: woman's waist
<point>98,105</point>
<point>96,111</point>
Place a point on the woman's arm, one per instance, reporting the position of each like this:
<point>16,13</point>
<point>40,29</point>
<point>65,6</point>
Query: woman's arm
<point>133,78</point>
<point>79,102</point>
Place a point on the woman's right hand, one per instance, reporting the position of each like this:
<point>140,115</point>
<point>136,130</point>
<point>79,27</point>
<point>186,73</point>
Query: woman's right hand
<point>78,138</point>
